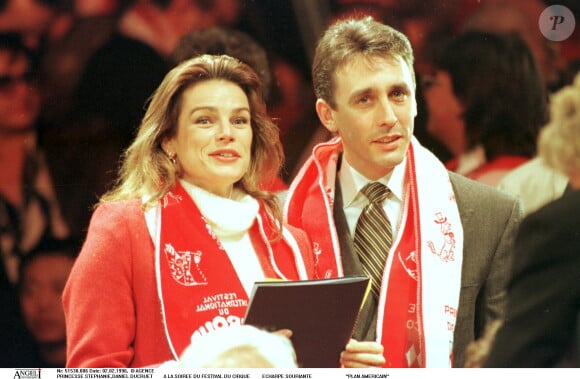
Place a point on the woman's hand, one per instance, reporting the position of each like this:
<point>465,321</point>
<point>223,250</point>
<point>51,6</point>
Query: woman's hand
<point>361,354</point>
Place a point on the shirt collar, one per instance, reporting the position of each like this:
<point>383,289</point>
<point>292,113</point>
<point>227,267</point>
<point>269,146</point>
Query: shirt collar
<point>352,181</point>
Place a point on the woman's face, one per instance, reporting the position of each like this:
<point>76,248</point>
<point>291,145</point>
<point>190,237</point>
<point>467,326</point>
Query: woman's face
<point>214,136</point>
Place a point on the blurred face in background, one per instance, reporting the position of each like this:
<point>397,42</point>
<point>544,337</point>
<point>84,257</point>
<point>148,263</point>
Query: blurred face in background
<point>87,8</point>
<point>31,18</point>
<point>19,94</point>
<point>445,122</point>
<point>227,12</point>
<point>42,283</point>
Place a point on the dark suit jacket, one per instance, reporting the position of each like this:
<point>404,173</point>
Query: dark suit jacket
<point>544,293</point>
<point>490,219</point>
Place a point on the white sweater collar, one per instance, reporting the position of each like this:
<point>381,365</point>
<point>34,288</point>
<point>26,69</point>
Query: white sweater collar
<point>227,217</point>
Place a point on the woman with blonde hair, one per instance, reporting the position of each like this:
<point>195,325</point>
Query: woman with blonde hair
<point>173,250</point>
<point>542,322</point>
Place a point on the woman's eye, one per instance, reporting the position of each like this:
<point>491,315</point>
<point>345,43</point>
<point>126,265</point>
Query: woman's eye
<point>241,121</point>
<point>202,120</point>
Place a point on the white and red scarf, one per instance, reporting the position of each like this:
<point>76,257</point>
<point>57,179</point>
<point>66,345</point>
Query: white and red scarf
<point>422,278</point>
<point>198,287</point>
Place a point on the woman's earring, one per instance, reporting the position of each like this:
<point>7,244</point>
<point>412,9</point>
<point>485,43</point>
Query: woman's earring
<point>172,157</point>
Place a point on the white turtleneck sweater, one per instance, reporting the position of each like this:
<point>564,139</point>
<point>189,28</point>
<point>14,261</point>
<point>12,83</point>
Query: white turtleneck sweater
<point>230,220</point>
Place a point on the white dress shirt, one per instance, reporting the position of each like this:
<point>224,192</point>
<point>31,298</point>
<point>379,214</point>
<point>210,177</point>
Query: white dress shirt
<point>352,181</point>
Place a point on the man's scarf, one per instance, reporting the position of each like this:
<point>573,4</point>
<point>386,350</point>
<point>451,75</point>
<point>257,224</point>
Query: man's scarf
<point>422,277</point>
<point>198,287</point>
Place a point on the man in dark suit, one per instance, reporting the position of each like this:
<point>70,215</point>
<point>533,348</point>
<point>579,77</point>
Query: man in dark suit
<point>542,319</point>
<point>448,238</point>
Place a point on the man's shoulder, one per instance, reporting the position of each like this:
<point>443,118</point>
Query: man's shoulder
<point>468,188</point>
<point>478,201</point>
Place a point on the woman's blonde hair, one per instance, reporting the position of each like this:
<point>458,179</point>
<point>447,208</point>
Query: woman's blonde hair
<point>146,170</point>
<point>559,140</point>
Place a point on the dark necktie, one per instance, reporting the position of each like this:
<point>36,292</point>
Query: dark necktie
<point>373,235</point>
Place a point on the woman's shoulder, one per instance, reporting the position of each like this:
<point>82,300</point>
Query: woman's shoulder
<point>117,221</point>
<point>119,210</point>
<point>121,205</point>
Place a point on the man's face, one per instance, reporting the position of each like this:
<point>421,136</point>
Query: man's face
<point>374,113</point>
<point>42,282</point>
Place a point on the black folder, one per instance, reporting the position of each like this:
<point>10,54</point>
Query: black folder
<point>320,313</point>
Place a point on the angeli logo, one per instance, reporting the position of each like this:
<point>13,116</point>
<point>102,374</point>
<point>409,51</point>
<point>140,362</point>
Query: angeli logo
<point>27,373</point>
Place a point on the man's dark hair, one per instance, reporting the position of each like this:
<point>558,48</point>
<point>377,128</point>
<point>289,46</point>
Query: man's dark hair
<point>236,44</point>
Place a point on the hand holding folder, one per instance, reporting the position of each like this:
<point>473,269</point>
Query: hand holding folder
<point>320,313</point>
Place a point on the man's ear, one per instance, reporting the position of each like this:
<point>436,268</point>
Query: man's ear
<point>326,115</point>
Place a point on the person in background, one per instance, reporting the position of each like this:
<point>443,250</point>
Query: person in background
<point>543,312</point>
<point>19,104</point>
<point>534,183</point>
<point>450,237</point>
<point>79,29</point>
<point>519,17</point>
<point>115,75</point>
<point>29,210</point>
<point>486,103</point>
<point>43,274</point>
<point>32,19</point>
<point>217,40</point>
